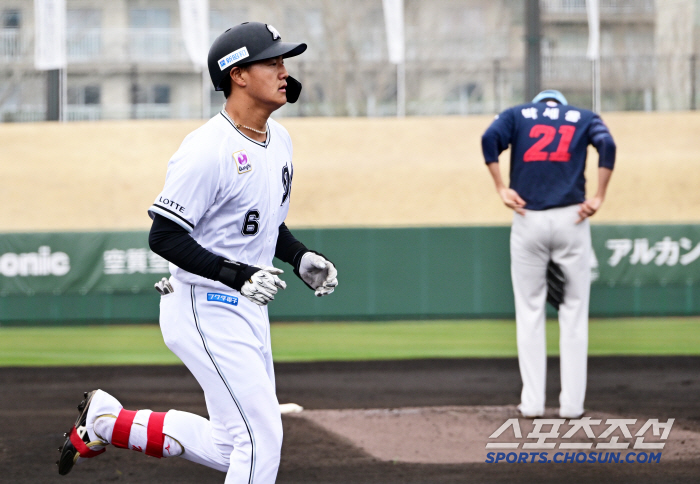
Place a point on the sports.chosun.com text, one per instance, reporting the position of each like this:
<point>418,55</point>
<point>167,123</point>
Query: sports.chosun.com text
<point>573,457</point>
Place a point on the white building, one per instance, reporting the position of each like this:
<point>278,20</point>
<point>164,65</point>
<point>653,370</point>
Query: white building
<point>126,58</point>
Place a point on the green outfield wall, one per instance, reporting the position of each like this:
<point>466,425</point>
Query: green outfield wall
<point>403,273</point>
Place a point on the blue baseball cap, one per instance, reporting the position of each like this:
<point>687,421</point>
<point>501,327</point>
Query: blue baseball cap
<point>551,94</point>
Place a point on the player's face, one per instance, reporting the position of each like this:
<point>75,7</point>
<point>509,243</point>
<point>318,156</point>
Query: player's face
<point>267,82</point>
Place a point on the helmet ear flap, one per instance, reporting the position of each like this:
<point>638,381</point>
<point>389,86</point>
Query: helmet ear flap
<point>293,89</point>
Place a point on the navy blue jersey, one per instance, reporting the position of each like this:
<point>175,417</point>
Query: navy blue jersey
<point>548,143</point>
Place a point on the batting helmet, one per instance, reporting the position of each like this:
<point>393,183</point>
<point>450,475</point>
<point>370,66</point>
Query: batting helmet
<point>552,94</point>
<point>246,43</point>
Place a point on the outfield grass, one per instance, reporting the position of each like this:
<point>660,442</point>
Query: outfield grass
<point>129,345</point>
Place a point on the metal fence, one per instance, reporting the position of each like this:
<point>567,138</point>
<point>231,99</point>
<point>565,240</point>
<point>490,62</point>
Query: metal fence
<point>605,6</point>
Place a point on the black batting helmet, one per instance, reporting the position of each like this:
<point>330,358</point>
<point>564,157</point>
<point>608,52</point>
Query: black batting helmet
<point>246,43</point>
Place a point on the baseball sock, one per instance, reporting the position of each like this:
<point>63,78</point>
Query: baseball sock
<point>138,433</point>
<point>141,430</point>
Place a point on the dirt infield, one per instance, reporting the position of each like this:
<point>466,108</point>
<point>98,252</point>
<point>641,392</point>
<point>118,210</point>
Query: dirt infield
<point>37,406</point>
<point>418,171</point>
<point>456,434</point>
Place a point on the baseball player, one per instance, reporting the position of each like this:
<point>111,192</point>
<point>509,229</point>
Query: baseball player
<point>219,221</point>
<point>549,140</point>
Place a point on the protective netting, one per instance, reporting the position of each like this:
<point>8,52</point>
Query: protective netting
<point>128,61</point>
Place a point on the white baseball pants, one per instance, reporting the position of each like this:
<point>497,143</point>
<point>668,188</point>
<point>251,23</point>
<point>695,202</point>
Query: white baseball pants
<point>227,349</point>
<point>535,238</point>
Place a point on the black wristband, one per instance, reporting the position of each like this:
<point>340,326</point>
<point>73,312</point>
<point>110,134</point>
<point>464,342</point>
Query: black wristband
<point>296,260</point>
<point>235,274</point>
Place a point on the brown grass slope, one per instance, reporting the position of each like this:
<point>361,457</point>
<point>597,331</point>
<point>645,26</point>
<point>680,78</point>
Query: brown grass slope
<point>420,171</point>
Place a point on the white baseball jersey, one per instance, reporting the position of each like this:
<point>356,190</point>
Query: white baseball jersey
<point>229,191</point>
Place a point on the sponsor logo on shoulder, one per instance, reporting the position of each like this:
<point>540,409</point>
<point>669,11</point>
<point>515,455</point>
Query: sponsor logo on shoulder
<point>224,298</point>
<point>171,203</point>
<point>233,57</point>
<point>243,164</point>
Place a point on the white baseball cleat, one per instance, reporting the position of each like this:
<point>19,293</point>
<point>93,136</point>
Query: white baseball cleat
<point>77,443</point>
<point>527,414</point>
<point>290,408</point>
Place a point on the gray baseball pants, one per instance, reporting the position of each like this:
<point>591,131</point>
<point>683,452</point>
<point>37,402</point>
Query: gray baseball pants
<point>537,237</point>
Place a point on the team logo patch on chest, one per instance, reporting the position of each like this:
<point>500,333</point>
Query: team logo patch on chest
<point>243,164</point>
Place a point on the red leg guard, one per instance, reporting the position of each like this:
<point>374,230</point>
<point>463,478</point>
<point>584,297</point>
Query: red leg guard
<point>122,429</point>
<point>154,447</point>
<point>80,446</point>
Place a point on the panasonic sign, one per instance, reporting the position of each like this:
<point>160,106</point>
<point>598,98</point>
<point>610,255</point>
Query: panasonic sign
<point>40,263</point>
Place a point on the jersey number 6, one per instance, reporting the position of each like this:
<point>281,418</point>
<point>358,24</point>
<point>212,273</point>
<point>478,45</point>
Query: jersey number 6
<point>547,134</point>
<point>251,224</point>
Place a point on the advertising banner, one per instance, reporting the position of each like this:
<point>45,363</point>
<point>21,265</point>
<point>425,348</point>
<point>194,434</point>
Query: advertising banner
<point>639,255</point>
<point>78,263</point>
<point>383,273</point>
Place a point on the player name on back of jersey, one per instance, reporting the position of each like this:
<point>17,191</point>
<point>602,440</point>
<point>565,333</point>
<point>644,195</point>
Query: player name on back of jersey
<point>172,204</point>
<point>551,112</point>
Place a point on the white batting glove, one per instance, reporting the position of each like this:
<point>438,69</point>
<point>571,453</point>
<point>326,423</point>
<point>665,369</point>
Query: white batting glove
<point>319,273</point>
<point>263,285</point>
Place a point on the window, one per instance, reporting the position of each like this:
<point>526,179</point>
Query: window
<point>92,94</point>
<point>83,33</point>
<point>161,94</point>
<point>84,95</point>
<point>149,18</point>
<point>140,94</point>
<point>156,94</point>
<point>83,18</point>
<point>150,36</point>
<point>11,19</point>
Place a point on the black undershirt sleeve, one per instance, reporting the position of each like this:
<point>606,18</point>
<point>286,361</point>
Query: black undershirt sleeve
<point>288,248</point>
<point>174,244</point>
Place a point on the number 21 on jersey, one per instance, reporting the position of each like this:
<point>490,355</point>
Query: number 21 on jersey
<point>546,134</point>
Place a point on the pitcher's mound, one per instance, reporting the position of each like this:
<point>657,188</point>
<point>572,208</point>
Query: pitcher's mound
<point>456,435</point>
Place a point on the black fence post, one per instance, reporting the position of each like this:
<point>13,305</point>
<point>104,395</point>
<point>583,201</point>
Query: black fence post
<point>53,95</point>
<point>533,51</point>
<point>693,80</point>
